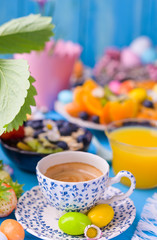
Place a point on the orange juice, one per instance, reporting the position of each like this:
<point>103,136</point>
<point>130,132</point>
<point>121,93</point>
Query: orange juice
<point>135,150</point>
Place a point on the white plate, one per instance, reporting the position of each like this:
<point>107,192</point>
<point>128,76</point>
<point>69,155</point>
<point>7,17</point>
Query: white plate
<point>40,219</point>
<point>59,107</point>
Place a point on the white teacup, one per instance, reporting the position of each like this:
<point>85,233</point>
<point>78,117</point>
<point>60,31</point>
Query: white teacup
<point>79,196</point>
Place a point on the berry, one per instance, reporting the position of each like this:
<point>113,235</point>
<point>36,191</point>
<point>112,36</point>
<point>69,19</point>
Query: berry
<point>84,115</point>
<point>63,145</point>
<point>35,124</point>
<point>64,131</point>
<point>83,139</point>
<point>15,134</point>
<point>95,119</point>
<point>148,104</point>
<point>8,200</point>
<point>60,123</point>
<point>37,132</point>
<point>76,84</point>
<point>73,127</point>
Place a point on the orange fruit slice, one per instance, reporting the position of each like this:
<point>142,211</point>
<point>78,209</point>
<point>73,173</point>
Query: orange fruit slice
<point>78,97</point>
<point>73,109</point>
<point>105,115</point>
<point>92,104</point>
<point>124,110</point>
<point>89,85</point>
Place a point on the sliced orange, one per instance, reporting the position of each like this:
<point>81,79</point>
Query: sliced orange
<point>147,113</point>
<point>126,109</point>
<point>89,85</point>
<point>92,104</point>
<point>105,115</point>
<point>146,84</point>
<point>73,109</point>
<point>78,94</point>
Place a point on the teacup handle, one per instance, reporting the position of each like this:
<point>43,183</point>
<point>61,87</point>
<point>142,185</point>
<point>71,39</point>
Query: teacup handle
<point>117,179</point>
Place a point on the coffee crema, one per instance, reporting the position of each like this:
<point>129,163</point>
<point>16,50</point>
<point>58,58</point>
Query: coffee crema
<point>73,172</point>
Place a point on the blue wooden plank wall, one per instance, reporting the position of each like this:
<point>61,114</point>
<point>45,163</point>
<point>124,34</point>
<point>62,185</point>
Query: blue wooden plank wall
<point>95,24</point>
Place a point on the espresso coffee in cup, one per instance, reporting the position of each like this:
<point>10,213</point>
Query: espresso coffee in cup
<point>73,172</point>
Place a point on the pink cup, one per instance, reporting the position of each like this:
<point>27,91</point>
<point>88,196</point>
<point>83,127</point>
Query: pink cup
<point>52,69</point>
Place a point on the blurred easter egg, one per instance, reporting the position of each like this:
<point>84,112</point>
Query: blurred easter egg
<point>65,96</point>
<point>12,229</point>
<point>140,44</point>
<point>129,58</point>
<point>73,223</point>
<point>114,86</point>
<point>2,236</point>
<point>149,56</point>
<point>101,215</point>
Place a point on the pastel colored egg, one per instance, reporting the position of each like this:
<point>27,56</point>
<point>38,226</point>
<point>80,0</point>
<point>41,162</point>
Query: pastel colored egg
<point>2,236</point>
<point>140,44</point>
<point>114,86</point>
<point>129,58</point>
<point>12,230</point>
<point>101,215</point>
<point>73,223</point>
<point>65,96</point>
<point>149,56</point>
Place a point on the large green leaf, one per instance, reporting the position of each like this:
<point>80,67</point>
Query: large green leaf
<point>25,34</point>
<point>25,109</point>
<point>14,84</point>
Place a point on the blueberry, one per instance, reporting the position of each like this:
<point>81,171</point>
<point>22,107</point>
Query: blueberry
<point>76,84</point>
<point>84,115</point>
<point>148,104</point>
<point>73,127</point>
<point>60,123</point>
<point>63,145</point>
<point>36,124</point>
<point>37,132</point>
<point>65,131</point>
<point>95,119</point>
<point>83,139</point>
<point>136,123</point>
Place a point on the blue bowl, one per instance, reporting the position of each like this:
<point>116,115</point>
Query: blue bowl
<point>26,160</point>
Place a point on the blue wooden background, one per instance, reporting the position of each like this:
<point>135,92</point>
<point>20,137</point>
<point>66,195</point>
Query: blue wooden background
<point>95,24</point>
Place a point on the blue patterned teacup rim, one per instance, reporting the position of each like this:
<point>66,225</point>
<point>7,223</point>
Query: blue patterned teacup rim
<point>84,157</point>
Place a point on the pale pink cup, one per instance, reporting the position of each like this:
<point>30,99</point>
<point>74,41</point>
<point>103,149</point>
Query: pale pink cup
<point>52,69</point>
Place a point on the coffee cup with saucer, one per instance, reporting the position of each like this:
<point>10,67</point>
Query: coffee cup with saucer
<point>44,204</point>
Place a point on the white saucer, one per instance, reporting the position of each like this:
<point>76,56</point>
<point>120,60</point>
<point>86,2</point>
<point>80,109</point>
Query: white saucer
<point>40,219</point>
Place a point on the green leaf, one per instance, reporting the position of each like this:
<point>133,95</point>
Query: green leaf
<point>25,109</point>
<point>4,193</point>
<point>14,84</point>
<point>18,188</point>
<point>25,34</point>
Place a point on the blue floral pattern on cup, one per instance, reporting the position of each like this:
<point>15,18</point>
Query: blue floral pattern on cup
<point>69,197</point>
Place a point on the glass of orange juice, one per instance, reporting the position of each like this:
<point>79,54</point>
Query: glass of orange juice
<point>134,147</point>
